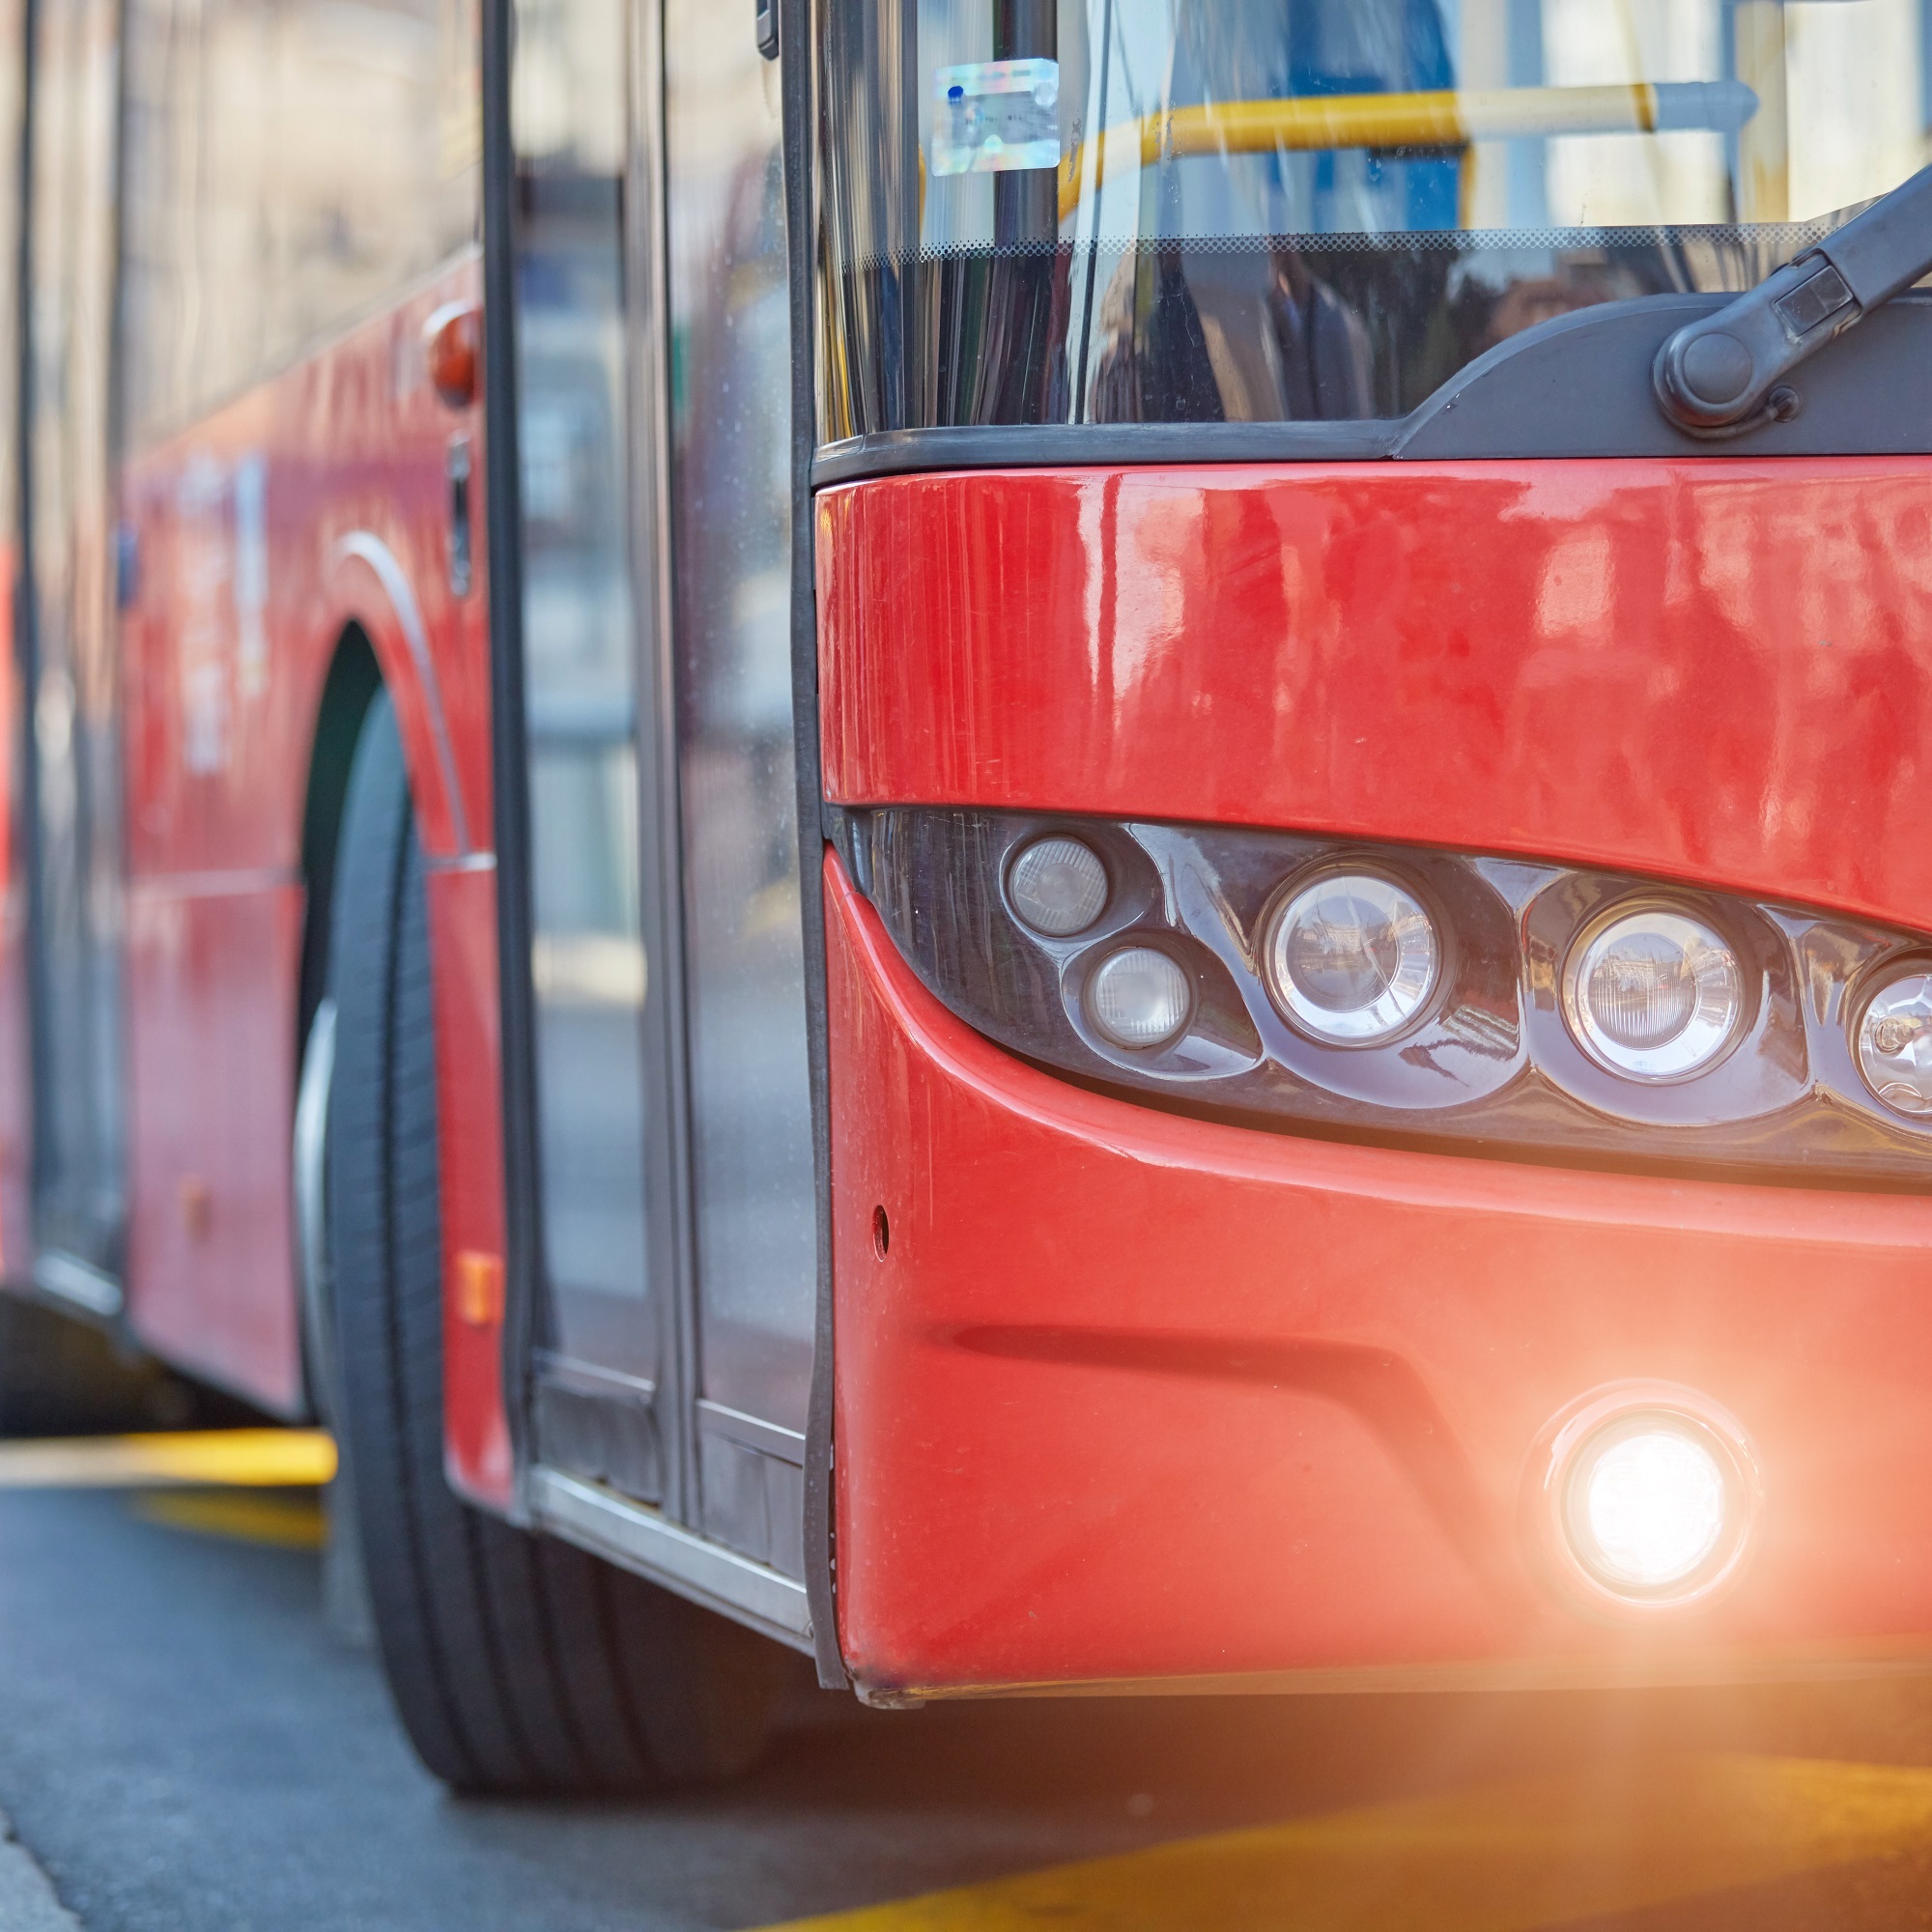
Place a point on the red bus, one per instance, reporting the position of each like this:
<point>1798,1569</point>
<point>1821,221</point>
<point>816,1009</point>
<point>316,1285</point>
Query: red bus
<point>1042,845</point>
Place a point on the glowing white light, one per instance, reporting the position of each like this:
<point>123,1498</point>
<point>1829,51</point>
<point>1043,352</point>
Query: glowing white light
<point>1653,1508</point>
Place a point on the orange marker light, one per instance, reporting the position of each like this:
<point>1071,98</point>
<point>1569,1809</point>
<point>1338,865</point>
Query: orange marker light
<point>479,1288</point>
<point>450,342</point>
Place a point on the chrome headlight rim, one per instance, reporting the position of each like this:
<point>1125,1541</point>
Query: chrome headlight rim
<point>1883,976</point>
<point>1702,1046</point>
<point>1324,1026</point>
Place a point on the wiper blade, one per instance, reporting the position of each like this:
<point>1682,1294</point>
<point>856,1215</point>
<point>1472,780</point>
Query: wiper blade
<point>1725,373</point>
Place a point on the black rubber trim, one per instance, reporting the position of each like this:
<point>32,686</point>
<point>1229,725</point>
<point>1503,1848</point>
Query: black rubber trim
<point>1004,446</point>
<point>502,583</point>
<point>820,1530</point>
<point>26,619</point>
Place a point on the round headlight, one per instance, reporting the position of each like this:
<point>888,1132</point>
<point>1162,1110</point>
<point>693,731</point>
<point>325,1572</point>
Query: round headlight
<point>1058,885</point>
<point>1351,957</point>
<point>1653,994</point>
<point>1894,1042</point>
<point>1139,997</point>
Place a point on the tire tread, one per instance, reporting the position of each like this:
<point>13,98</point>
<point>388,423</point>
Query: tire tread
<point>517,1663</point>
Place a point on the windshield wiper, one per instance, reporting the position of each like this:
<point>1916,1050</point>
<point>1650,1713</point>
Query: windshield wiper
<point>1725,373</point>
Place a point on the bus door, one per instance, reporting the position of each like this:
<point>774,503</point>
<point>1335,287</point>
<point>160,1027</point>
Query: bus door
<point>674,1199</point>
<point>728,521</point>
<point>17,1114</point>
<point>70,696</point>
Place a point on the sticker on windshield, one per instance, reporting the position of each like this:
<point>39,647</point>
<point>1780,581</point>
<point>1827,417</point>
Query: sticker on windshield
<point>996,115</point>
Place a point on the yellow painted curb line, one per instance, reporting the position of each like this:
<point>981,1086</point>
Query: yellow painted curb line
<point>1505,1857</point>
<point>263,1458</point>
<point>282,1522</point>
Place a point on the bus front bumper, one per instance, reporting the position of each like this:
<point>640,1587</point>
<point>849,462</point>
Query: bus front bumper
<point>1130,1399</point>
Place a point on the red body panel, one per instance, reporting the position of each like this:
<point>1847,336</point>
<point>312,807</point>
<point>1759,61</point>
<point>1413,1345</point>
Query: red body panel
<point>1717,668</point>
<point>1134,1395</point>
<point>1137,1395</point>
<point>212,1010</point>
<point>316,502</point>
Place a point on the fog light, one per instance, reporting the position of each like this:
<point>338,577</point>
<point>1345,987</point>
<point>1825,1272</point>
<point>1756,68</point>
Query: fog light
<point>1894,1042</point>
<point>1058,885</point>
<point>1351,957</point>
<point>1647,1508</point>
<point>1654,994</point>
<point>1649,1498</point>
<point>1139,997</point>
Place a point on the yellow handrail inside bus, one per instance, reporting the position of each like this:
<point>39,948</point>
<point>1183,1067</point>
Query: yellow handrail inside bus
<point>1451,118</point>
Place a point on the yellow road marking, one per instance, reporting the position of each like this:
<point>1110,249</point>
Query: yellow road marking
<point>1505,1857</point>
<point>285,1523</point>
<point>264,1458</point>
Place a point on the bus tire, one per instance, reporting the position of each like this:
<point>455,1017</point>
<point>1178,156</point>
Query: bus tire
<point>517,1663</point>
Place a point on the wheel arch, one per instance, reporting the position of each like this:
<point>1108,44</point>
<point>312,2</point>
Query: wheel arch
<point>359,672</point>
<point>368,590</point>
<point>381,644</point>
<point>354,681</point>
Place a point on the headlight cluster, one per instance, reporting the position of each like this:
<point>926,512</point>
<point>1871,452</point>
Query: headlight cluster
<point>1418,995</point>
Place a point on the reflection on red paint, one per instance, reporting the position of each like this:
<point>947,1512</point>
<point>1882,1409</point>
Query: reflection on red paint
<point>1714,670</point>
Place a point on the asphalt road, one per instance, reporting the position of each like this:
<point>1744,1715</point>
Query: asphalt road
<point>183,1745</point>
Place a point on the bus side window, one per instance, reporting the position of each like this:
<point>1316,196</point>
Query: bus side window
<point>288,165</point>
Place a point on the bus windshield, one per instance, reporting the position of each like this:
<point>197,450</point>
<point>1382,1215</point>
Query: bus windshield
<point>1279,211</point>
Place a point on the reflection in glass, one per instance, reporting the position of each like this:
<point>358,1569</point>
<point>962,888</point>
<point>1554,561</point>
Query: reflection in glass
<point>568,115</point>
<point>289,164</point>
<point>730,364</point>
<point>75,712</point>
<point>1311,209</point>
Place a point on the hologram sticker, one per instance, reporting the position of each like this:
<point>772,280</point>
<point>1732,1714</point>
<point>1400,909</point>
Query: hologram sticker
<point>996,115</point>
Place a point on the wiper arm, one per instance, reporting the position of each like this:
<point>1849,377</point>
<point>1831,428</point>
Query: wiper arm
<point>1725,373</point>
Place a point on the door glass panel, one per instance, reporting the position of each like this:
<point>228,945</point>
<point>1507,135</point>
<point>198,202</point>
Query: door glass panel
<point>569,115</point>
<point>730,424</point>
<point>73,711</point>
